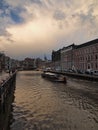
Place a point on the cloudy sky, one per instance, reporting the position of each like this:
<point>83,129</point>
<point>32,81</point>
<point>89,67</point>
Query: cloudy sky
<point>36,27</point>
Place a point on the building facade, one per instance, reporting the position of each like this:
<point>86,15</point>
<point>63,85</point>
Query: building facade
<point>67,57</point>
<point>56,60</point>
<point>85,56</point>
<point>77,57</point>
<point>2,61</point>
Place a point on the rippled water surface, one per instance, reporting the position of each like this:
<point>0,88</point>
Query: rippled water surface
<point>43,105</point>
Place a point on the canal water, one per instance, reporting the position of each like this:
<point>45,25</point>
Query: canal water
<point>40,104</point>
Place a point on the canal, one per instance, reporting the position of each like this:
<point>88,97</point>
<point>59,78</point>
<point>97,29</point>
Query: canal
<point>40,104</point>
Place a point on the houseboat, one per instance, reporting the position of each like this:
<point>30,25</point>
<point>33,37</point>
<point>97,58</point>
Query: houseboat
<point>54,77</point>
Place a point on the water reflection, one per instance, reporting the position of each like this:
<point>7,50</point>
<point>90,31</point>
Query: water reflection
<point>43,105</point>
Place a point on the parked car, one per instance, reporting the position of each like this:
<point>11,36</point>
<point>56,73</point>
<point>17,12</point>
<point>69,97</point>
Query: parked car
<point>72,71</point>
<point>95,72</point>
<point>65,70</point>
<point>89,71</point>
<point>58,70</point>
<point>80,71</point>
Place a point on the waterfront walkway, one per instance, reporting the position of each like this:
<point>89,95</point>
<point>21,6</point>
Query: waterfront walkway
<point>79,76</point>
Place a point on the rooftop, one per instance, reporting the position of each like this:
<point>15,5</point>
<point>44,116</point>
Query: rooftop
<point>87,43</point>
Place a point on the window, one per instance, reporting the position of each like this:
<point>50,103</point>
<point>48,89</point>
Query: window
<point>91,57</point>
<point>91,65</point>
<point>96,65</point>
<point>96,56</point>
<point>88,58</point>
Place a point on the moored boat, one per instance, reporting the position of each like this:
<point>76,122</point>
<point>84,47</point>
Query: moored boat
<point>54,77</point>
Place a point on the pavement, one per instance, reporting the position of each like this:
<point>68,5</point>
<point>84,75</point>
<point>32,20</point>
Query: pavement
<point>80,76</point>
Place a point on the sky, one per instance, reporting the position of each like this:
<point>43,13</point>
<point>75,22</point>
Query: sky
<point>33,28</point>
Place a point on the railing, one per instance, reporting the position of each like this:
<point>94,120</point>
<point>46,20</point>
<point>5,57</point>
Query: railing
<point>7,88</point>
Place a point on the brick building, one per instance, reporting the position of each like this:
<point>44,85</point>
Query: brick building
<point>67,57</point>
<point>85,56</point>
<point>28,63</point>
<point>77,57</point>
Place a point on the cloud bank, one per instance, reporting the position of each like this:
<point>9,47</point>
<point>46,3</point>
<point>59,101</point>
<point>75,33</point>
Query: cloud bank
<point>36,27</point>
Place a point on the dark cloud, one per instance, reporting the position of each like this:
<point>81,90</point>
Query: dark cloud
<point>3,31</point>
<point>3,5</point>
<point>4,22</point>
<point>38,2</point>
<point>89,16</point>
<point>86,18</point>
<point>69,3</point>
<point>59,15</point>
<point>4,8</point>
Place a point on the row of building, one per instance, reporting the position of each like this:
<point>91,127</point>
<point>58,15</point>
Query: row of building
<point>6,63</point>
<point>31,63</point>
<point>76,57</point>
<point>72,57</point>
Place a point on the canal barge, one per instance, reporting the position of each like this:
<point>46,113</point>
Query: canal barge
<point>54,77</point>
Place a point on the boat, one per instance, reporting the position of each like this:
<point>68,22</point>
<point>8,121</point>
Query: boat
<point>54,77</point>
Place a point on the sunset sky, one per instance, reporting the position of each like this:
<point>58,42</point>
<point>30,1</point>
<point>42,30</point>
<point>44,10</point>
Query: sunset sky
<point>33,28</point>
